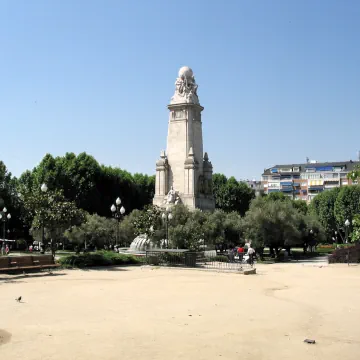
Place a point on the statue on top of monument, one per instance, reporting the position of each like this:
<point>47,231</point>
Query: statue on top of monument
<point>185,87</point>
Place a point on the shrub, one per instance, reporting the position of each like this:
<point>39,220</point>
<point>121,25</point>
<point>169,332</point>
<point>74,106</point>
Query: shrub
<point>101,258</point>
<point>345,254</point>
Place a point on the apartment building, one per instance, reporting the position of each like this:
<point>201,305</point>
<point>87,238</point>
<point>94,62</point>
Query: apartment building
<point>305,181</point>
<point>256,185</point>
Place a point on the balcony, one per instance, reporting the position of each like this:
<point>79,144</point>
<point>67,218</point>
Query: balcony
<point>273,190</point>
<point>316,188</point>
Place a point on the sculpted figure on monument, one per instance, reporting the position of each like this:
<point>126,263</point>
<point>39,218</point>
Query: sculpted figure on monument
<point>170,198</point>
<point>185,87</point>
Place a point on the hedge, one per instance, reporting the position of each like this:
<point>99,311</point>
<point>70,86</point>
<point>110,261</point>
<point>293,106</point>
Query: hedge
<point>100,258</point>
<point>349,254</point>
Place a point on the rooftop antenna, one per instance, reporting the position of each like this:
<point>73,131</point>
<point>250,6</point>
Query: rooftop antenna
<point>359,155</point>
<point>307,160</point>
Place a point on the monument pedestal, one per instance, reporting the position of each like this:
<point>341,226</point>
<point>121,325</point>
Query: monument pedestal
<point>184,173</point>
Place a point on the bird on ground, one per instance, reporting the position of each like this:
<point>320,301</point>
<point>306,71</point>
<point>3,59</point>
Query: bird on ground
<point>18,299</point>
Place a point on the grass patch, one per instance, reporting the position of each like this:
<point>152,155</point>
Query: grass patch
<point>99,258</point>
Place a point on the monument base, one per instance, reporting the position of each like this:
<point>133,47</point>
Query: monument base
<point>192,202</point>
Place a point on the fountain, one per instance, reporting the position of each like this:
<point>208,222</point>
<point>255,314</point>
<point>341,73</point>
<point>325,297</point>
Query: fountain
<point>140,243</point>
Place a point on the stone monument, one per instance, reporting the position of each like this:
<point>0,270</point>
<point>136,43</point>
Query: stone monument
<point>184,172</point>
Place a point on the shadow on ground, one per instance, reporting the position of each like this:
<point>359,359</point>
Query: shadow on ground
<point>14,278</point>
<point>103,268</point>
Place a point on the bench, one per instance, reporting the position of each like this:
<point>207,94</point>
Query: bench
<point>4,262</point>
<point>44,261</point>
<point>22,263</point>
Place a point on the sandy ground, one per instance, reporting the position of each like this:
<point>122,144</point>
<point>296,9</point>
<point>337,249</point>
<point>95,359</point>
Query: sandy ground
<point>145,313</point>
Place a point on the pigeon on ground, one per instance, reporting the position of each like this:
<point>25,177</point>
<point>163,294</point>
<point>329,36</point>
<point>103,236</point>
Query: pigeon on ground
<point>18,299</point>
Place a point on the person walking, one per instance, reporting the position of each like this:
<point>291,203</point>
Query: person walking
<point>231,255</point>
<point>240,252</point>
<point>251,253</point>
<point>7,250</point>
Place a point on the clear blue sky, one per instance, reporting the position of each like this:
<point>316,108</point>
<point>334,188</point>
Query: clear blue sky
<point>279,80</point>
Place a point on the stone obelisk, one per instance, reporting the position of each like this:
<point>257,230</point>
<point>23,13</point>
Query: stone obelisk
<point>184,172</point>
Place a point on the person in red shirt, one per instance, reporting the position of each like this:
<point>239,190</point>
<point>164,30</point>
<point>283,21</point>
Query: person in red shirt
<point>240,253</point>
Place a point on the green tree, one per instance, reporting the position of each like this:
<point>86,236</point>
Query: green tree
<point>301,206</point>
<point>355,236</point>
<point>347,204</point>
<point>232,195</point>
<point>355,174</point>
<point>148,222</point>
<point>323,207</point>
<point>187,228</point>
<point>276,196</point>
<point>9,198</point>
<point>278,224</point>
<point>93,187</point>
<point>96,231</point>
<point>52,212</point>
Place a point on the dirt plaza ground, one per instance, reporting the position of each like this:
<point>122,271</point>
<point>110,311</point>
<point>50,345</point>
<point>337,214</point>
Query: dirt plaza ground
<point>159,313</point>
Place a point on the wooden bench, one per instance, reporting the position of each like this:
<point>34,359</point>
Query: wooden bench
<point>4,262</point>
<point>23,263</point>
<point>44,261</point>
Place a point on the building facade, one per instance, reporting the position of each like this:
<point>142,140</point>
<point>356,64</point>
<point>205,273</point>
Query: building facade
<point>305,181</point>
<point>256,185</point>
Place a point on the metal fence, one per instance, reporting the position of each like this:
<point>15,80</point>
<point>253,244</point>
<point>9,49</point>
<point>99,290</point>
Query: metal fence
<point>202,260</point>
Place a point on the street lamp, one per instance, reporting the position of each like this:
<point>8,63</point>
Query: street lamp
<point>118,212</point>
<point>167,216</point>
<point>311,240</point>
<point>4,218</point>
<point>44,189</point>
<point>335,239</point>
<point>347,224</point>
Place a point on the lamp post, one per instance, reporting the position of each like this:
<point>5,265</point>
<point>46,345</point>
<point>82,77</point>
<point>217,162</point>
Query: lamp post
<point>44,189</point>
<point>118,212</point>
<point>311,240</point>
<point>4,218</point>
<point>347,224</point>
<point>167,216</point>
<point>335,239</point>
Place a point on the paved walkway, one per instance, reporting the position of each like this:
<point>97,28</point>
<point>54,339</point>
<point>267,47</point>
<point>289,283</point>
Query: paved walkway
<point>315,261</point>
